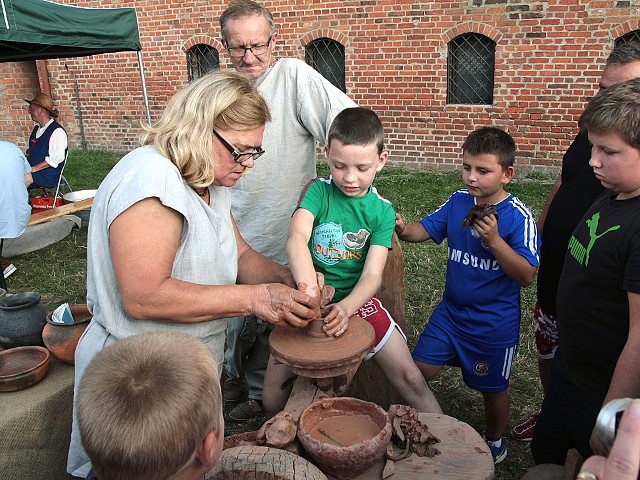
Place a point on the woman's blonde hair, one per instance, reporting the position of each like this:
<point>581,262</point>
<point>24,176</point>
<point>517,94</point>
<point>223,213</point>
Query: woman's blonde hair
<point>184,133</point>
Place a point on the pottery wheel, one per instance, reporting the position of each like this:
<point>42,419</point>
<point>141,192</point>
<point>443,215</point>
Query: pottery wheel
<point>323,357</point>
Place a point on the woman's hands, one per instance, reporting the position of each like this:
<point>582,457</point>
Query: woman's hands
<point>283,306</point>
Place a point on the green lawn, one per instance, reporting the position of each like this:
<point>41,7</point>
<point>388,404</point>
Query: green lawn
<point>59,274</point>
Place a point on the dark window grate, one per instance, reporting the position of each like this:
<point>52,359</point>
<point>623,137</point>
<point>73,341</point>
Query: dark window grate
<point>632,36</point>
<point>201,59</point>
<point>470,69</point>
<point>327,57</point>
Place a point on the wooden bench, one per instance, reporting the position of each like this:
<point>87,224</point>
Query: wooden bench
<point>51,213</point>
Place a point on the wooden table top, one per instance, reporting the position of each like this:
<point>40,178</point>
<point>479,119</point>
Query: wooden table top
<point>463,455</point>
<point>51,213</point>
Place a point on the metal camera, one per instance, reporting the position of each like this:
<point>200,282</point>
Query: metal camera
<point>609,419</point>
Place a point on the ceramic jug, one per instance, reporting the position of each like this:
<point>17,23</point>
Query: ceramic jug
<point>22,318</point>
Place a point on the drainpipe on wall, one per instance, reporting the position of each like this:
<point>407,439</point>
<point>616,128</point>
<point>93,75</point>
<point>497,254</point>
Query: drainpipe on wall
<point>43,74</point>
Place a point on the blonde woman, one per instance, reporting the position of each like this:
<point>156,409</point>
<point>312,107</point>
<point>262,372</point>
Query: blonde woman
<point>164,253</point>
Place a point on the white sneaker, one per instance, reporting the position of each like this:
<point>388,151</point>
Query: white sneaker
<point>9,270</point>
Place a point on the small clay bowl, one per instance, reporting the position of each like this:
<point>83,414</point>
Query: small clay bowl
<point>22,367</point>
<point>62,338</point>
<point>327,429</point>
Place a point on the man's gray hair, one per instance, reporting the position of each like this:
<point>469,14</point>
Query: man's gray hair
<point>245,8</point>
<point>625,53</point>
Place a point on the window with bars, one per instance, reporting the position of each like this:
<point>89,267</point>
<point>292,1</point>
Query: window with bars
<point>470,69</point>
<point>201,59</point>
<point>327,57</point>
<point>632,36</point>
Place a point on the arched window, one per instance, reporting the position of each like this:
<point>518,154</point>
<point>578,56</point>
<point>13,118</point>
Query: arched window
<point>632,36</point>
<point>327,57</point>
<point>470,69</point>
<point>201,59</point>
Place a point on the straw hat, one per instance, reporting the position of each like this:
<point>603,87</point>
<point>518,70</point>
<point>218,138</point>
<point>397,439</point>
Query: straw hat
<point>45,101</point>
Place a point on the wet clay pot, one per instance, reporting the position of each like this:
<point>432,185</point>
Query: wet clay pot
<point>22,319</point>
<point>344,435</point>
<point>62,338</point>
<point>330,361</point>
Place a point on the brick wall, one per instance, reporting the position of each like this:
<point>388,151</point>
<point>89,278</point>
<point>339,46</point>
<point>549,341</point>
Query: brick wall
<point>549,56</point>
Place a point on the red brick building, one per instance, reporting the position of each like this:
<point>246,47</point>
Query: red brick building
<point>397,60</point>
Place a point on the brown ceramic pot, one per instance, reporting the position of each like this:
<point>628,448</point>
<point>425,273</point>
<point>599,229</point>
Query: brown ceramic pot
<point>62,338</point>
<point>22,367</point>
<point>344,435</point>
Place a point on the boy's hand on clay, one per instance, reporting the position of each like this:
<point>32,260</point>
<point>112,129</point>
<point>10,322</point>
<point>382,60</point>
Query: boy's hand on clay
<point>314,292</point>
<point>326,291</point>
<point>336,321</point>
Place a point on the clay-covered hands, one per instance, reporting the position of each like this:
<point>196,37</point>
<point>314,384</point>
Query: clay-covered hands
<point>284,306</point>
<point>623,462</point>
<point>336,320</point>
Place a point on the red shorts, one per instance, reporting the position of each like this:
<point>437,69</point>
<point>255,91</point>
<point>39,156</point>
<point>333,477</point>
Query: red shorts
<point>380,319</point>
<point>547,339</point>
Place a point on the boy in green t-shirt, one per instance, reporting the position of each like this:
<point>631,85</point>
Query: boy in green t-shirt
<point>343,228</point>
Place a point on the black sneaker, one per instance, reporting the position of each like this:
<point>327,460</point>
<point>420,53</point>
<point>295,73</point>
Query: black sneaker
<point>234,390</point>
<point>246,410</point>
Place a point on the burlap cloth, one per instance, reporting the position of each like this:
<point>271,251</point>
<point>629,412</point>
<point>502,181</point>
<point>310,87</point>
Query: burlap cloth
<point>35,426</point>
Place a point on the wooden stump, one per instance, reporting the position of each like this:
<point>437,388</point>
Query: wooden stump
<point>369,382</point>
<point>463,455</point>
<point>262,463</point>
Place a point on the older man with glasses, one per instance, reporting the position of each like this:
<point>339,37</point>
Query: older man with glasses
<point>303,104</point>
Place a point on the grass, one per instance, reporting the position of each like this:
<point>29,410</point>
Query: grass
<point>58,272</point>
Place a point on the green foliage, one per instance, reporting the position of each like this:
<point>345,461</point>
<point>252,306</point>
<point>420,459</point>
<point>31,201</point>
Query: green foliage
<point>59,273</point>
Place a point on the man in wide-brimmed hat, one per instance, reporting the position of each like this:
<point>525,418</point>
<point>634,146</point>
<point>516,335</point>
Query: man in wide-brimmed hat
<point>47,149</point>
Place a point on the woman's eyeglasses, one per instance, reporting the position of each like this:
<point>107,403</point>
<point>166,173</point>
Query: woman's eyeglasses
<point>239,157</point>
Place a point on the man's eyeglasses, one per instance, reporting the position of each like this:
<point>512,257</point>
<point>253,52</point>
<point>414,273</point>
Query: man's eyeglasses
<point>239,157</point>
<point>239,52</point>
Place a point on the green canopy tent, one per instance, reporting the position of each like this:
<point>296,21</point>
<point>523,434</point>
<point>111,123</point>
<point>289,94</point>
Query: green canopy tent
<point>39,29</point>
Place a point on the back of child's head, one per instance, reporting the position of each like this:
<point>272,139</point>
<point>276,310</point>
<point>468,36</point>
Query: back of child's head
<point>491,140</point>
<point>615,110</point>
<point>357,126</point>
<point>145,403</point>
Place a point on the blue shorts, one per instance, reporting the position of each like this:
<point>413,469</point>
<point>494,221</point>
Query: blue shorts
<point>484,368</point>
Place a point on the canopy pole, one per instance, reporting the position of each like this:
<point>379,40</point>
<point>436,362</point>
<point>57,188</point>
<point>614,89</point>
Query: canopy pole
<point>144,86</point>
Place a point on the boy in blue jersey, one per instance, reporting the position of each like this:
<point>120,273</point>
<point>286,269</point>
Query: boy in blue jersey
<point>343,228</point>
<point>477,324</point>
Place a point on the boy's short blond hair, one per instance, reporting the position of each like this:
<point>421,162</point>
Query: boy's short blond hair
<point>615,110</point>
<point>145,403</point>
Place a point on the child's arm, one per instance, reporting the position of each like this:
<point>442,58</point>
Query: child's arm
<point>625,381</point>
<point>514,265</point>
<point>368,285</point>
<point>297,249</point>
<point>412,232</point>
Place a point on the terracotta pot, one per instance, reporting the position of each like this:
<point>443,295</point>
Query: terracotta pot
<point>22,319</point>
<point>62,338</point>
<point>344,435</point>
<point>22,367</point>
